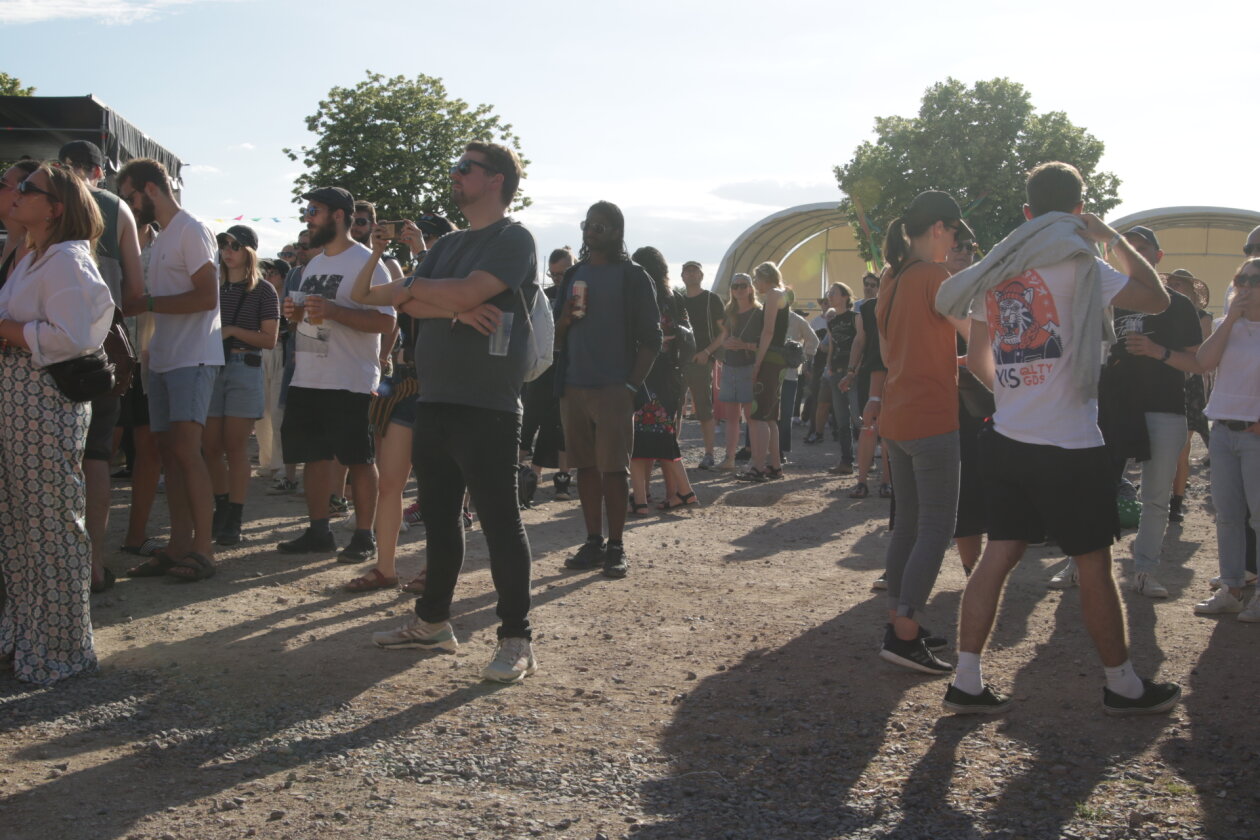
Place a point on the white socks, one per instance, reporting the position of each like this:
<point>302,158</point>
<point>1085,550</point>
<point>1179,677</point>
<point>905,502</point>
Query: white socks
<point>1123,681</point>
<point>967,673</point>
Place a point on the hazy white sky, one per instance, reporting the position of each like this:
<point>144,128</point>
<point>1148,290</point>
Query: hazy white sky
<point>698,119</point>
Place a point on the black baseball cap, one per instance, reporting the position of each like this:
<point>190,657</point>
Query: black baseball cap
<point>934,206</point>
<point>431,224</point>
<point>335,198</point>
<point>81,153</point>
<point>1146,233</point>
<point>242,234</point>
<point>276,264</point>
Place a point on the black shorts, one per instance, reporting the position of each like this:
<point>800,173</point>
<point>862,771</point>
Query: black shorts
<point>134,408</point>
<point>320,425</point>
<point>971,504</point>
<point>1033,491</point>
<point>100,436</point>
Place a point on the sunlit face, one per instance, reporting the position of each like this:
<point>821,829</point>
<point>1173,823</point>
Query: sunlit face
<point>599,232</point>
<point>361,226</point>
<point>692,275</point>
<point>36,207</point>
<point>472,178</point>
<point>319,221</point>
<point>557,269</point>
<point>231,252</point>
<point>1143,246</point>
<point>870,287</point>
<point>8,189</point>
<point>959,257</point>
<point>141,205</point>
<point>837,299</point>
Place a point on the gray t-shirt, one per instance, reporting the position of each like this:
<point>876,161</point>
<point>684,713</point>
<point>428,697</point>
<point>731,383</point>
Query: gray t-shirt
<point>453,363</point>
<point>597,350</point>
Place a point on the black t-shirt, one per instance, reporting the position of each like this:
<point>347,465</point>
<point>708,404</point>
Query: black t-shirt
<point>706,314</point>
<point>872,358</point>
<point>1159,386</point>
<point>843,329</point>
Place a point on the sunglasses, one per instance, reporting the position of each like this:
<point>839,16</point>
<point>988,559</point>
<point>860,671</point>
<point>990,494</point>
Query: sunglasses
<point>286,254</point>
<point>465,166</point>
<point>1252,249</point>
<point>26,188</point>
<point>310,212</point>
<point>226,242</point>
<point>740,285</point>
<point>598,228</point>
<point>360,221</point>
<point>1252,280</point>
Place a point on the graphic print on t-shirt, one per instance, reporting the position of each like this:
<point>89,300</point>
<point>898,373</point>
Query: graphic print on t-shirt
<point>1028,337</point>
<point>312,338</point>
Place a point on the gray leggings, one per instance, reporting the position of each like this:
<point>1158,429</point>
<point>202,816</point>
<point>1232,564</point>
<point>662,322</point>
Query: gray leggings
<point>925,479</point>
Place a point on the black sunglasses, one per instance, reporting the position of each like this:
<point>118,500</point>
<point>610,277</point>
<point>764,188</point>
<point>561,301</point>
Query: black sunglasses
<point>598,228</point>
<point>26,188</point>
<point>287,254</point>
<point>226,242</point>
<point>740,285</point>
<point>1252,249</point>
<point>465,166</point>
<point>360,221</point>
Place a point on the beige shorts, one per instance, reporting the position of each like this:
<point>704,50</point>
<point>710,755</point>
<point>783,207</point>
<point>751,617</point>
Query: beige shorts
<point>598,427</point>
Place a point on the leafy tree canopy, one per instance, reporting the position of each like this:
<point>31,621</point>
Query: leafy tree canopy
<point>975,143</point>
<point>12,86</point>
<point>392,142</point>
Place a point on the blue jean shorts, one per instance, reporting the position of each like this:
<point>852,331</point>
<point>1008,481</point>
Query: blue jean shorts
<point>238,389</point>
<point>181,395</point>
<point>737,384</point>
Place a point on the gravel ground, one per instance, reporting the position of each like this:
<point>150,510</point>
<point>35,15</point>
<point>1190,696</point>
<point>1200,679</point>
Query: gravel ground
<point>728,688</point>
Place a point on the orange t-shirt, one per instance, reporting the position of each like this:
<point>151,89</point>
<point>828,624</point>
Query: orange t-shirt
<point>921,391</point>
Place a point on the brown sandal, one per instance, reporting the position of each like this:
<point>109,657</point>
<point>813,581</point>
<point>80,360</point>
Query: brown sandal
<point>372,580</point>
<point>156,566</point>
<point>192,567</point>
<point>417,584</point>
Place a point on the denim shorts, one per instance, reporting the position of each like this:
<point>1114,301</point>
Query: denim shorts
<point>238,389</point>
<point>737,384</point>
<point>181,395</point>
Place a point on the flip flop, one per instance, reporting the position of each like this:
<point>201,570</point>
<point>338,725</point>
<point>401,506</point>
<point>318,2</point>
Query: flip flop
<point>192,567</point>
<point>370,581</point>
<point>639,509</point>
<point>156,566</point>
<point>145,549</point>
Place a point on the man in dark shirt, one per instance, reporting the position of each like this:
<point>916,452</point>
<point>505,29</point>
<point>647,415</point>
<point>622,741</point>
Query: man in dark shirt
<point>707,315</point>
<point>607,339</point>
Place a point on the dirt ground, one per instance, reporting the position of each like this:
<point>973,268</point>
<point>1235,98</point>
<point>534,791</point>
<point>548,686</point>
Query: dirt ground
<point>728,688</point>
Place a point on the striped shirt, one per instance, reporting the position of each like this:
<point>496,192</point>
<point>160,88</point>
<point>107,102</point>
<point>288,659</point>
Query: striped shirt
<point>262,304</point>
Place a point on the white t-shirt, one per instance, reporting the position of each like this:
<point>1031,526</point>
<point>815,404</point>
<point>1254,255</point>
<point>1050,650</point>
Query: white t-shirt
<point>195,338</point>
<point>1236,391</point>
<point>332,356</point>
<point>66,306</point>
<point>1031,335</point>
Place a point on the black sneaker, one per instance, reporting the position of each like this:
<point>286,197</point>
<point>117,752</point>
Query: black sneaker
<point>987,702</point>
<point>1175,513</point>
<point>615,561</point>
<point>338,504</point>
<point>561,482</point>
<point>1156,699</point>
<point>309,543</point>
<point>743,455</point>
<point>932,642</point>
<point>360,549</point>
<point>589,556</point>
<point>913,655</point>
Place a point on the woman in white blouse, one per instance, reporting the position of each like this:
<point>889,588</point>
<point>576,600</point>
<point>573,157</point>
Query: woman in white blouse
<point>54,307</point>
<point>1233,350</point>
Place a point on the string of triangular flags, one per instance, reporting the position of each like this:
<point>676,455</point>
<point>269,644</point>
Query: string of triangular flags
<point>276,219</point>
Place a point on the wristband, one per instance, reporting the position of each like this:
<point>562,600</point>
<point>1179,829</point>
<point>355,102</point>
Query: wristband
<point>874,399</point>
<point>1167,354</point>
<point>632,388</point>
<point>148,302</point>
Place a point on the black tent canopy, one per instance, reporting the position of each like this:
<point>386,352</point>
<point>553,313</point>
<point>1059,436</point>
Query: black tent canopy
<point>38,126</point>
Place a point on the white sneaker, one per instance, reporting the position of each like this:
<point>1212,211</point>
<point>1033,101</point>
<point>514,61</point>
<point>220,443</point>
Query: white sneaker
<point>419,634</point>
<point>1144,583</point>
<point>513,661</point>
<point>1249,579</point>
<point>1066,577</point>
<point>1252,611</point>
<point>880,582</point>
<point>1223,601</point>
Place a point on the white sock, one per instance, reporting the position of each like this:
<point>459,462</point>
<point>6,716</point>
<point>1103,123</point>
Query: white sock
<point>967,673</point>
<point>1123,681</point>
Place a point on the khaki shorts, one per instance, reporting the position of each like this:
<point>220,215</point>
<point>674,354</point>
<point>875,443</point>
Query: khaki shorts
<point>699,379</point>
<point>598,427</point>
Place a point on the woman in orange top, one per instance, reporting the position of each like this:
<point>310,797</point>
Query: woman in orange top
<point>918,418</point>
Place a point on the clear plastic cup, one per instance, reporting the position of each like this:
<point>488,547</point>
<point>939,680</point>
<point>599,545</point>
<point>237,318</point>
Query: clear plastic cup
<point>502,336</point>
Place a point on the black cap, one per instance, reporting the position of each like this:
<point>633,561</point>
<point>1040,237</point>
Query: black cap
<point>276,264</point>
<point>82,154</point>
<point>242,234</point>
<point>431,224</point>
<point>935,206</point>
<point>335,198</point>
<point>1146,233</point>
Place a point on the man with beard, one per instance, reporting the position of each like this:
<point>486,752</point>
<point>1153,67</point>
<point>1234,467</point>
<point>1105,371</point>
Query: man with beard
<point>286,483</point>
<point>361,231</point>
<point>185,354</point>
<point>336,365</point>
<point>470,298</point>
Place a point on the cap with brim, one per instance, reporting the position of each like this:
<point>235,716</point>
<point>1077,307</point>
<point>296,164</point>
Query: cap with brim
<point>691,264</point>
<point>1146,233</point>
<point>335,198</point>
<point>276,264</point>
<point>934,206</point>
<point>81,153</point>
<point>242,234</point>
<point>1201,290</point>
<point>431,224</point>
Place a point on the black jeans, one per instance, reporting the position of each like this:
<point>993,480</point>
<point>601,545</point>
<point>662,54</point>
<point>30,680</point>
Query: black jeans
<point>456,446</point>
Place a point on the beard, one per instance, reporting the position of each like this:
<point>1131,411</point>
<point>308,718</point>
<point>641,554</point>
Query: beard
<point>147,214</point>
<point>322,235</point>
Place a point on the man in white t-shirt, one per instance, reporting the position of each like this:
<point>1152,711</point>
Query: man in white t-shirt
<point>337,346</point>
<point>1045,467</point>
<point>185,355</point>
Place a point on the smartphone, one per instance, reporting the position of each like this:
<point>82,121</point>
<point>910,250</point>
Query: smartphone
<point>393,230</point>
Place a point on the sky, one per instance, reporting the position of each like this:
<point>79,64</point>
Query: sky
<point>697,119</point>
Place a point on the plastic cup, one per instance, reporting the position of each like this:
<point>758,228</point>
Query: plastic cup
<point>311,319</point>
<point>502,336</point>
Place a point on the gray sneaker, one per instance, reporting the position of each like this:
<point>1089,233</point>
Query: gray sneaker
<point>418,634</point>
<point>513,661</point>
<point>706,463</point>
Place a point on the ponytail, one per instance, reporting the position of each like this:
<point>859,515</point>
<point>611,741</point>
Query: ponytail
<point>896,244</point>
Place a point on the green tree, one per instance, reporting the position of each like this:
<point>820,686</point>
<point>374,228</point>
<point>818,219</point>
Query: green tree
<point>975,143</point>
<point>12,86</point>
<point>392,142</point>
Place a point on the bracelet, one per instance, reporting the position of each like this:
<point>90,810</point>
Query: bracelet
<point>1167,354</point>
<point>874,399</point>
<point>852,370</point>
<point>632,388</point>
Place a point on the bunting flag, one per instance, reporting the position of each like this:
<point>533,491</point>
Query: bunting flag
<point>973,205</point>
<point>278,220</point>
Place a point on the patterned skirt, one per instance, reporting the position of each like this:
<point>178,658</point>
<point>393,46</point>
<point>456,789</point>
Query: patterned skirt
<point>45,554</point>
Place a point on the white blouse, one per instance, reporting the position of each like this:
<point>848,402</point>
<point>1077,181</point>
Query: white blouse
<point>66,306</point>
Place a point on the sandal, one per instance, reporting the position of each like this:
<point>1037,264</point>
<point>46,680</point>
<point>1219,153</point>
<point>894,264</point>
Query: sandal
<point>416,585</point>
<point>860,491</point>
<point>155,566</point>
<point>774,472</point>
<point>684,500</point>
<point>192,567</point>
<point>106,584</point>
<point>885,491</point>
<point>639,509</point>
<point>751,474</point>
<point>372,580</point>
<point>146,549</point>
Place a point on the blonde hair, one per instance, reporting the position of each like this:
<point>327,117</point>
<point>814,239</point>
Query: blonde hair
<point>80,216</point>
<point>732,308</point>
<point>252,273</point>
<point>770,272</point>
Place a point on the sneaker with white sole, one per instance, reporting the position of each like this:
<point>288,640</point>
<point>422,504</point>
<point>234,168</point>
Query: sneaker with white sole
<point>913,655</point>
<point>1156,698</point>
<point>880,582</point>
<point>706,463</point>
<point>1252,611</point>
<point>1144,583</point>
<point>1065,578</point>
<point>1222,601</point>
<point>283,487</point>
<point>1248,580</point>
<point>987,702</point>
<point>419,634</point>
<point>513,661</point>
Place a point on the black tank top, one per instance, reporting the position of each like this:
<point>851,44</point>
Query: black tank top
<point>780,328</point>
